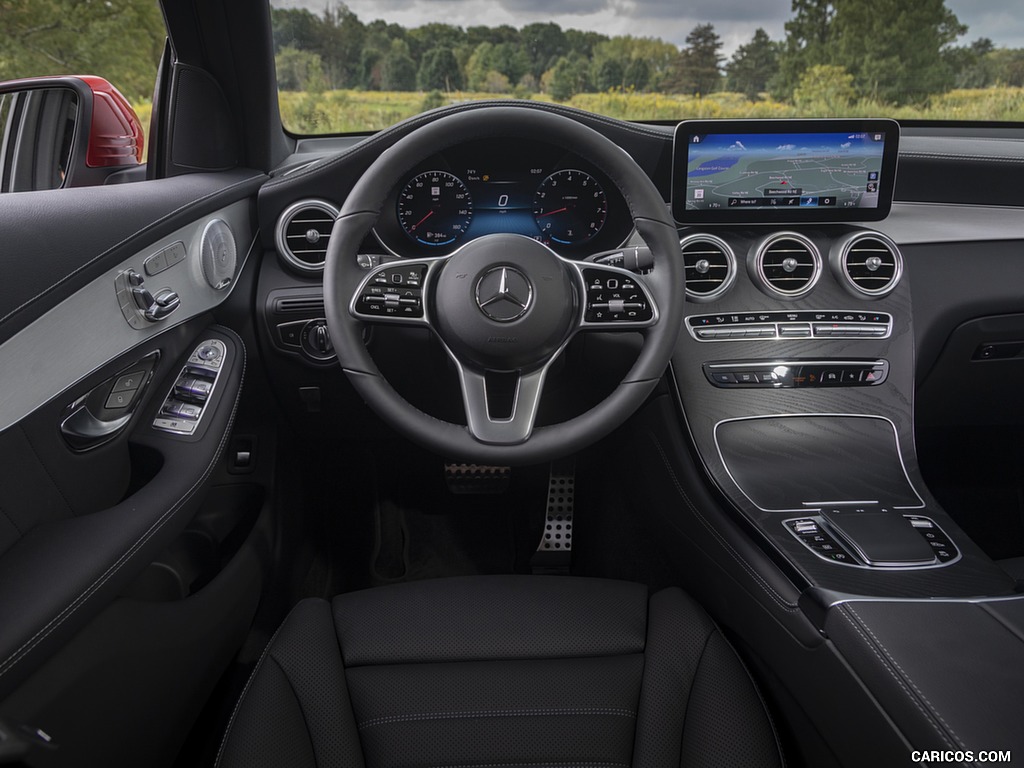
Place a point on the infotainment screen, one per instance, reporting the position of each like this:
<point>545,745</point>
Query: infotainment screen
<point>783,171</point>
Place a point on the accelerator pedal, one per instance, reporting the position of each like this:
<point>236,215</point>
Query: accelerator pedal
<point>476,478</point>
<point>554,552</point>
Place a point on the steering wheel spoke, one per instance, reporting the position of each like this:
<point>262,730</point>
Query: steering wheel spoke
<point>394,292</point>
<point>614,299</point>
<point>478,396</point>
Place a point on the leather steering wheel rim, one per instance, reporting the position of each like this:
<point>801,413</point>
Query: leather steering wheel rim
<point>343,276</point>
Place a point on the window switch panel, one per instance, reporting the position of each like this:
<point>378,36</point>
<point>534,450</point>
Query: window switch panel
<point>184,406</point>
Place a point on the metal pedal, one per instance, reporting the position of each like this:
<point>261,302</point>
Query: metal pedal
<point>554,552</point>
<point>476,478</point>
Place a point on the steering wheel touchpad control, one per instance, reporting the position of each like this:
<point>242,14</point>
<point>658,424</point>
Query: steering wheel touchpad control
<point>615,297</point>
<point>394,291</point>
<point>185,404</point>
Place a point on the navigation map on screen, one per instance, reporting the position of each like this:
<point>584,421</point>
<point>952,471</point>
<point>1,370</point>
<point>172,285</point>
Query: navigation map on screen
<point>769,171</point>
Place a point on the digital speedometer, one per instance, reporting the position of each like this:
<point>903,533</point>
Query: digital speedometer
<point>435,208</point>
<point>569,207</point>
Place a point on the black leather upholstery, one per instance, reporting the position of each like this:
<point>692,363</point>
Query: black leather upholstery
<point>500,671</point>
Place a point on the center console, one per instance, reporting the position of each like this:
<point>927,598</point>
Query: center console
<point>795,376</point>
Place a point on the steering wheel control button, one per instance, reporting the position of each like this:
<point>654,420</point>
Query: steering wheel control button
<point>789,374</point>
<point>504,294</point>
<point>790,325</point>
<point>395,291</point>
<point>614,297</point>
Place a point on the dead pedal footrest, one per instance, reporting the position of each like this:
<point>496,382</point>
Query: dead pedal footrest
<point>554,552</point>
<point>476,478</point>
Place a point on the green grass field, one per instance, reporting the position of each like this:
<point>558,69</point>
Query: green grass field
<point>353,111</point>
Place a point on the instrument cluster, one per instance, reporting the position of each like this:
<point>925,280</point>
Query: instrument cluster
<point>520,187</point>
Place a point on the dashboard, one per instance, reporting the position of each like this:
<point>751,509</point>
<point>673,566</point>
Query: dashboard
<point>798,309</point>
<point>528,188</point>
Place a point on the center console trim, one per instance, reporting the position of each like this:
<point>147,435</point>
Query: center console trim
<point>810,505</point>
<point>891,568</point>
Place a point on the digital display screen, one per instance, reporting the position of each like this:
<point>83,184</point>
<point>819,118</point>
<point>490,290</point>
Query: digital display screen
<point>739,171</point>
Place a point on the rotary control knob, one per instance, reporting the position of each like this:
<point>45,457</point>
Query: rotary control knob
<point>315,340</point>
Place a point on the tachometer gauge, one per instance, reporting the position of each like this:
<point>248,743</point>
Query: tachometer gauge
<point>435,208</point>
<point>569,207</point>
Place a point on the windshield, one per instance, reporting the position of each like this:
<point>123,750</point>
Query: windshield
<point>363,67</point>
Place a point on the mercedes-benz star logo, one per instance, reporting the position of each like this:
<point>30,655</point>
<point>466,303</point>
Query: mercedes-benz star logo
<point>504,294</point>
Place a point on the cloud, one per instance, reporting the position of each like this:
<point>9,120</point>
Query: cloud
<point>716,12</point>
<point>735,21</point>
<point>564,7</point>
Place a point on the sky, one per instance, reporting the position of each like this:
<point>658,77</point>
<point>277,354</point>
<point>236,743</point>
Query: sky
<point>735,20</point>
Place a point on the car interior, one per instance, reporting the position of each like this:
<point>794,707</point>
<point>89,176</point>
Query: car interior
<point>361,450</point>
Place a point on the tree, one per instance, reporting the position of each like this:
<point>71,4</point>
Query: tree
<point>340,41</point>
<point>398,70</point>
<point>1007,65</point>
<point>808,36</point>
<point>697,68</point>
<point>609,74</point>
<point>569,76</point>
<point>825,90</point>
<point>543,43</point>
<point>439,71</point>
<point>298,70</point>
<point>894,49</point>
<point>753,65</point>
<point>970,64</point>
<point>121,40</point>
<point>295,28</point>
<point>433,35</point>
<point>637,74</point>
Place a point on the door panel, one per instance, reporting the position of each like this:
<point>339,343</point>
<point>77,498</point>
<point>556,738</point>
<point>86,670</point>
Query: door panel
<point>80,523</point>
<point>54,243</point>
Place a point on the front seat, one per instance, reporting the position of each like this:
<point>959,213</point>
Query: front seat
<point>500,672</point>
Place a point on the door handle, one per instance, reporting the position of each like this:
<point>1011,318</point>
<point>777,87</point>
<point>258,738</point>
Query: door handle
<point>83,430</point>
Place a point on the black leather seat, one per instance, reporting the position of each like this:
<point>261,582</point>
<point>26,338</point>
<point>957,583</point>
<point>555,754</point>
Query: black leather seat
<point>500,671</point>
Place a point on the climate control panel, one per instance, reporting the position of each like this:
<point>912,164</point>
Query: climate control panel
<point>818,324</point>
<point>802,374</point>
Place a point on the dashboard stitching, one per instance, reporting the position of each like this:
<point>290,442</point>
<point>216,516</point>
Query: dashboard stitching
<point>982,158</point>
<point>418,120</point>
<point>785,605</point>
<point>123,242</point>
<point>12,660</point>
<point>878,649</point>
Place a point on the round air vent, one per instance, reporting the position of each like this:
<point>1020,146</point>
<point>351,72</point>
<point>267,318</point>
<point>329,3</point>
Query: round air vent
<point>303,232</point>
<point>710,266</point>
<point>868,264</point>
<point>785,264</point>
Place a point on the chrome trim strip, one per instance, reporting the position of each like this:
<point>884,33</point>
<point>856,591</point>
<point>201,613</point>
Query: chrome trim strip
<point>87,330</point>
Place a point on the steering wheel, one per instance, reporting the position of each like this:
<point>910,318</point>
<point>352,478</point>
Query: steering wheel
<point>503,302</point>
